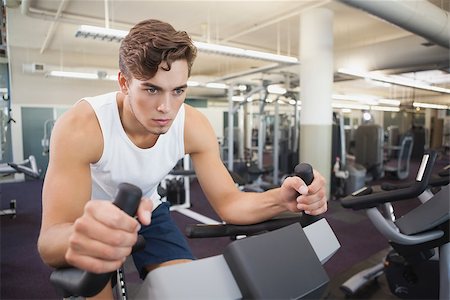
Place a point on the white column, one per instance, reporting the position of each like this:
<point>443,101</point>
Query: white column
<point>316,83</point>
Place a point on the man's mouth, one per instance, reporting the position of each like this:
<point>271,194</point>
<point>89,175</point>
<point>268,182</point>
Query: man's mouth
<point>162,122</point>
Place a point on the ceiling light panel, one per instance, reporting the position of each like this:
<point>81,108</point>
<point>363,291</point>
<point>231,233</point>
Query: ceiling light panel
<point>108,34</point>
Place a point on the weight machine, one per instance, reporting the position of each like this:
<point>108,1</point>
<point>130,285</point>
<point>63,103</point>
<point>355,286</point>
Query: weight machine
<point>27,167</point>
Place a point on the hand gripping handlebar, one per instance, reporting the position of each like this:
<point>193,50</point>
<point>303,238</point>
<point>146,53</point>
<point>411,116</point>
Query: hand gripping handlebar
<point>76,282</point>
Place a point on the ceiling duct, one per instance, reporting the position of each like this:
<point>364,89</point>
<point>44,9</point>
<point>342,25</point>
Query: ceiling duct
<point>420,17</point>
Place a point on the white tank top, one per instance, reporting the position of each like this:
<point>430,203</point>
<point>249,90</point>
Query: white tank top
<point>123,161</point>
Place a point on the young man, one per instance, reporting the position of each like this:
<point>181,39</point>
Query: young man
<point>137,135</point>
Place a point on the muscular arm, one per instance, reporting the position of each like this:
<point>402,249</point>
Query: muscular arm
<point>232,205</point>
<point>67,185</point>
<point>92,235</point>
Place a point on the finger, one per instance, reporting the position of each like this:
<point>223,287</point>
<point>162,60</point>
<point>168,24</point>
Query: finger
<point>297,184</point>
<point>311,198</point>
<point>111,216</point>
<point>322,209</point>
<point>91,229</point>
<point>92,264</point>
<point>313,207</point>
<point>83,245</point>
<point>317,184</point>
<point>307,200</point>
<point>144,212</point>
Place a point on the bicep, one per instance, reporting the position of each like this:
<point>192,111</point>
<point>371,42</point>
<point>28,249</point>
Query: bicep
<point>65,192</point>
<point>67,184</point>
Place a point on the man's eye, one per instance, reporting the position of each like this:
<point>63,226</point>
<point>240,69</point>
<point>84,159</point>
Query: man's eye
<point>179,91</point>
<point>152,90</point>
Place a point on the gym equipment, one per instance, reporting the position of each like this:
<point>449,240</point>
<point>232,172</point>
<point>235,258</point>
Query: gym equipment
<point>347,176</point>
<point>27,167</point>
<point>232,132</point>
<point>247,269</point>
<point>437,180</point>
<point>275,131</point>
<point>175,187</point>
<point>45,142</point>
<point>392,139</point>
<point>409,269</point>
<point>338,156</point>
<point>419,136</point>
<point>369,149</point>
<point>399,164</point>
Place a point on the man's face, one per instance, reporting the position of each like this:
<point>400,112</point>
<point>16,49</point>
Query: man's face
<point>155,102</point>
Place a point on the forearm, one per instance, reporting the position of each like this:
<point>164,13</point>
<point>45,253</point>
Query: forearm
<point>249,208</point>
<point>53,244</point>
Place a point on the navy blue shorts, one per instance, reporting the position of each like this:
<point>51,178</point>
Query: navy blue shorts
<point>164,241</point>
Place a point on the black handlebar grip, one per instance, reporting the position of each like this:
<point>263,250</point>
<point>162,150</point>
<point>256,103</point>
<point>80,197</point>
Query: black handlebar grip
<point>305,172</point>
<point>76,282</point>
<point>128,198</point>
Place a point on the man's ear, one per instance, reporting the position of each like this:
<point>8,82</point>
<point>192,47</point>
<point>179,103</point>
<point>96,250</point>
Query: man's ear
<point>123,83</point>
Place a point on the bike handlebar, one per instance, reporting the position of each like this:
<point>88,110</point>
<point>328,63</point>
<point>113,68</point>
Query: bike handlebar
<point>363,200</point>
<point>76,282</point>
<point>303,170</point>
<point>231,230</point>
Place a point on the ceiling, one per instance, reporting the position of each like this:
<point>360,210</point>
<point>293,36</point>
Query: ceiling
<point>272,26</point>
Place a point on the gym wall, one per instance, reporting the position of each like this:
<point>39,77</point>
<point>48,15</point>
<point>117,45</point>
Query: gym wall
<point>37,98</point>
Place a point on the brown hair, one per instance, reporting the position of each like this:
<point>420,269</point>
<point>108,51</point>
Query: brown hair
<point>151,42</point>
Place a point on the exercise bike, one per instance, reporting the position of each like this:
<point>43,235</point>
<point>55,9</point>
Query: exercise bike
<point>247,269</point>
<point>412,269</point>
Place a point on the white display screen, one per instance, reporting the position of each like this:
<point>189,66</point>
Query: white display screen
<point>423,164</point>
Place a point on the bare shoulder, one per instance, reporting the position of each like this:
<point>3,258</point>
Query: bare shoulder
<point>76,141</point>
<point>78,129</point>
<point>198,132</point>
<point>194,117</point>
